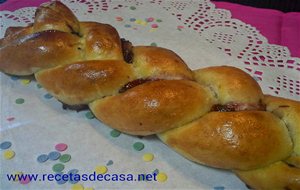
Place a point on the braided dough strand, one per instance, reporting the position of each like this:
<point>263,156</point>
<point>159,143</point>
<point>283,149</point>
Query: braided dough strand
<point>216,116</point>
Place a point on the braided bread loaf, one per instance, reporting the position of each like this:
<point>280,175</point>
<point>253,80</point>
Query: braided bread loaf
<point>216,116</point>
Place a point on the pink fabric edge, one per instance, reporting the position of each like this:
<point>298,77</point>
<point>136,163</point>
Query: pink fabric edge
<point>12,5</point>
<point>278,27</point>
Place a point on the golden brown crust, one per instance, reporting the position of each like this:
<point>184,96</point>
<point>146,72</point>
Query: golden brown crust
<point>31,53</point>
<point>55,16</point>
<point>14,33</point>
<point>83,82</point>
<point>159,62</point>
<point>293,160</point>
<point>82,62</point>
<point>278,176</point>
<point>154,106</point>
<point>230,84</point>
<point>289,112</point>
<point>102,41</point>
<point>232,140</point>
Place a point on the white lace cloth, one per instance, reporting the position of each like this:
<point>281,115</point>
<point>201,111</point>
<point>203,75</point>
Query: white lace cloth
<point>272,65</point>
<point>201,34</point>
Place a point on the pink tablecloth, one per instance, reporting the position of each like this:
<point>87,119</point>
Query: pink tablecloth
<point>279,28</point>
